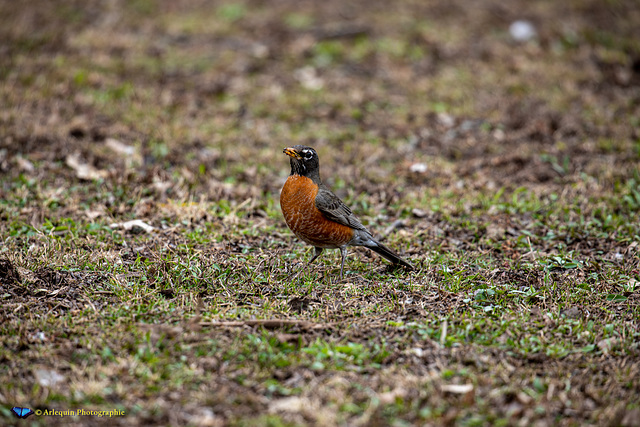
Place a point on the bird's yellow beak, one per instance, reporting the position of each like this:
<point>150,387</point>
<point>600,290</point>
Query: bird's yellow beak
<point>292,153</point>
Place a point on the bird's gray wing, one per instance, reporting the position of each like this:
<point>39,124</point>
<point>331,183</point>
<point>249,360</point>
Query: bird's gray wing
<point>336,210</point>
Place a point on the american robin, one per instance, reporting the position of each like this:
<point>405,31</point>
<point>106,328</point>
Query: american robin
<point>319,217</point>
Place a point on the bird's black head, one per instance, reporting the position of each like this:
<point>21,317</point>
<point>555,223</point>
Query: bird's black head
<point>304,161</point>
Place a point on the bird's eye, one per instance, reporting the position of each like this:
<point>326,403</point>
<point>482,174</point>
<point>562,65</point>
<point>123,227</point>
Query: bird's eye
<point>307,154</point>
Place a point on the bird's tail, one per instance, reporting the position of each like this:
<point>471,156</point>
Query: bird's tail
<point>388,254</point>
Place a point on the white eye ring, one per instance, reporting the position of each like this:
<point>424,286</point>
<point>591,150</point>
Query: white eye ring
<point>307,154</point>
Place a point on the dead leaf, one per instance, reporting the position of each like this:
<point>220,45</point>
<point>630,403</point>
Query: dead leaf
<point>292,404</point>
<point>394,225</point>
<point>84,170</point>
<point>457,388</point>
<point>606,345</point>
<point>389,397</point>
<point>24,164</point>
<point>418,168</point>
<point>205,417</point>
<point>133,225</point>
<point>419,213</point>
<point>308,78</point>
<point>48,377</point>
<point>495,232</point>
<point>128,152</point>
<point>93,214</point>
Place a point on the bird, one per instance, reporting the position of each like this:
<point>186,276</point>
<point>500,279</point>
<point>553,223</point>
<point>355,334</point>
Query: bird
<point>318,217</point>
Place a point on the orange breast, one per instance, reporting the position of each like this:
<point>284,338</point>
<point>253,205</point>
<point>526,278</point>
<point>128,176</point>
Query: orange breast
<point>298,203</point>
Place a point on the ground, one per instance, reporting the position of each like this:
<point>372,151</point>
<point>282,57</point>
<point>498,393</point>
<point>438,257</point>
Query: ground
<point>505,170</point>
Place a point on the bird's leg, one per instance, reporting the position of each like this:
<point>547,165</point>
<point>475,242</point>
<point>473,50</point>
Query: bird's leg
<point>313,258</point>
<point>343,252</point>
<point>316,255</point>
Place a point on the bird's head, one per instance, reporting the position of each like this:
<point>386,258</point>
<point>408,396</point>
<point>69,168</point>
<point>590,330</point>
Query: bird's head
<point>304,160</point>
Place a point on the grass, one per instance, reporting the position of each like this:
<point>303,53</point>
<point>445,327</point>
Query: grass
<point>522,309</point>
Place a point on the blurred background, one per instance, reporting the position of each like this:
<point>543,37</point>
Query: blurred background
<point>196,99</point>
